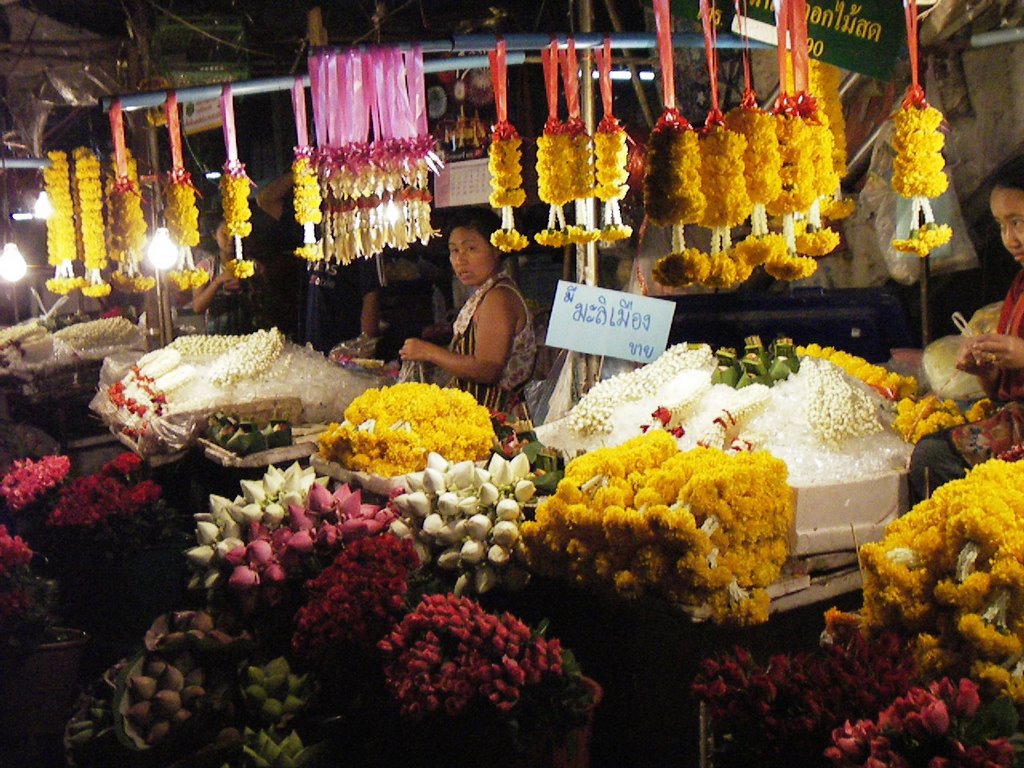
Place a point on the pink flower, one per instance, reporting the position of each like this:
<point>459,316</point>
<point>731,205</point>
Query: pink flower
<point>935,717</point>
<point>966,702</point>
<point>28,481</point>
<point>320,499</point>
<point>301,542</point>
<point>259,552</point>
<point>243,578</point>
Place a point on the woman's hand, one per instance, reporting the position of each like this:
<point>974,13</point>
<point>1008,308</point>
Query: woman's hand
<point>998,350</point>
<point>418,350</point>
<point>227,281</point>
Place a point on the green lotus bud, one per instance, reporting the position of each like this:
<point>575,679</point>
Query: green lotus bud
<point>297,683</point>
<point>292,704</point>
<point>255,675</point>
<point>278,666</point>
<point>167,702</point>
<point>272,710</point>
<point>276,682</point>
<point>143,687</point>
<point>81,738</point>
<point>158,732</point>
<point>139,714</point>
<point>172,679</point>
<point>190,693</point>
<point>256,694</point>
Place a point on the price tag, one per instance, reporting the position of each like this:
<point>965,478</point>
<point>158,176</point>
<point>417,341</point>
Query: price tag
<point>598,321</point>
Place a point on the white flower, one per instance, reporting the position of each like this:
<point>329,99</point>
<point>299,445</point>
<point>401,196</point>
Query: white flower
<point>105,332</point>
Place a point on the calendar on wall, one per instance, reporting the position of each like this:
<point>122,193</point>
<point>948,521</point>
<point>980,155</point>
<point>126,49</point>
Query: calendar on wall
<point>463,183</point>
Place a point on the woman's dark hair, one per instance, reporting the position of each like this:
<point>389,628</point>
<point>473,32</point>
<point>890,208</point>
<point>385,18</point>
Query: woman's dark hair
<point>1010,175</point>
<point>483,221</point>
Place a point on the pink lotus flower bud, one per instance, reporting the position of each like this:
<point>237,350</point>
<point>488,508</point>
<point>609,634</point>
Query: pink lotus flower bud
<point>243,578</point>
<point>259,552</point>
<point>935,717</point>
<point>327,536</point>
<point>348,502</point>
<point>967,700</point>
<point>236,556</point>
<point>301,542</point>
<point>274,573</point>
<point>368,510</point>
<point>320,499</point>
<point>374,526</point>
<point>299,520</point>
<point>354,529</point>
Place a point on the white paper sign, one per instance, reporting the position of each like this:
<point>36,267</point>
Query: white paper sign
<point>201,116</point>
<point>599,321</point>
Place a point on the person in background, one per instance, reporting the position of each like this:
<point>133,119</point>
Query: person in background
<point>492,352</point>
<point>341,303</point>
<point>997,359</point>
<point>225,300</point>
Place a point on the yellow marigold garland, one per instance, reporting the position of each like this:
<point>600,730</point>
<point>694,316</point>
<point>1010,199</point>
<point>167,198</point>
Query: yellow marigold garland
<point>306,203</point>
<point>762,160</point>
<point>824,81</point>
<point>182,218</point>
<point>916,419</point>
<point>891,385</point>
<point>553,184</point>
<point>611,155</point>
<point>88,194</point>
<point>578,166</point>
<point>390,431</point>
<point>234,191</point>
<point>917,174</point>
<point>726,201</point>
<point>126,233</point>
<point>950,574</point>
<point>60,227</point>
<point>505,163</point>
<point>699,528</point>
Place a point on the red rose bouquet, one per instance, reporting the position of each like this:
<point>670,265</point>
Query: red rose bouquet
<point>26,600</point>
<point>28,481</point>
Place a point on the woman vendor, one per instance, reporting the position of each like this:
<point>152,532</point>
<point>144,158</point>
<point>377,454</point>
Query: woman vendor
<point>997,359</point>
<point>493,348</point>
<point>226,300</point>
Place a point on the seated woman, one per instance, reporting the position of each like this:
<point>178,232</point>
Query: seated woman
<point>997,359</point>
<point>227,300</point>
<point>492,352</point>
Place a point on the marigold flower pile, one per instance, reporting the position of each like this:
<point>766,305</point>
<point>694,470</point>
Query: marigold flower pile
<point>950,574</point>
<point>696,528</point>
<point>390,431</point>
<point>916,419</point>
<point>449,654</point>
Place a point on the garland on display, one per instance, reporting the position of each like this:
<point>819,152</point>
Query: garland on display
<point>554,147</point>
<point>672,191</point>
<point>611,155</point>
<point>948,575</point>
<point>181,213</point>
<point>578,164</point>
<point>60,227</point>
<point>505,160</point>
<point>699,528</point>
<point>306,198</point>
<point>234,190</point>
<point>125,219</point>
<point>887,383</point>
<point>823,83</point>
<point>88,195</point>
<point>917,171</point>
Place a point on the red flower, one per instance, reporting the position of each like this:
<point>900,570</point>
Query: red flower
<point>28,481</point>
<point>14,552</point>
<point>122,466</point>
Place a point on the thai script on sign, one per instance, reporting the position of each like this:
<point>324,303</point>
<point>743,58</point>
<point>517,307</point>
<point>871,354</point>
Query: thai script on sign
<point>843,18</point>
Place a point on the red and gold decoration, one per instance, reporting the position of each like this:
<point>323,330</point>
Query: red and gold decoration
<point>181,213</point>
<point>126,222</point>
<point>234,190</point>
<point>505,159</point>
<point>611,155</point>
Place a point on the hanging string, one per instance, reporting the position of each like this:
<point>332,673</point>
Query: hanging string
<point>749,100</point>
<point>227,116</point>
<point>299,110</point>
<point>782,51</point>
<point>915,96</point>
<point>570,78</point>
<point>711,52</point>
<point>174,133</point>
<point>603,56</point>
<point>663,27</point>
<point>798,44</point>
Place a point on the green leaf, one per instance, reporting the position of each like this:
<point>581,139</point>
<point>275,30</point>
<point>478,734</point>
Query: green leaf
<point>998,719</point>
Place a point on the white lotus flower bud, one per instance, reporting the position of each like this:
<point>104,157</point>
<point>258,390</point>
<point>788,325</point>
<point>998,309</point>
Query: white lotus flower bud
<point>432,524</point>
<point>419,503</point>
<point>273,480</point>
<point>234,510</point>
<point>507,509</point>
<point>505,533</point>
<point>231,530</point>
<point>414,481</point>
<point>400,529</point>
<point>219,504</point>
<point>478,526</point>
<point>321,481</point>
<point>253,491</point>
<point>449,559</point>
<point>460,584</point>
<point>480,476</point>
<point>498,555</point>
<point>519,466</point>
<point>448,504</point>
<point>226,545</point>
<point>468,505</point>
<point>433,482</point>
<point>422,551</point>
<point>200,556</point>
<point>488,494</point>
<point>461,475</point>
<point>203,517</point>
<point>437,461</point>
<point>501,474</point>
<point>273,515</point>
<point>452,532</point>
<point>212,577</point>
<point>402,503</point>
<point>207,533</point>
<point>525,490</point>
<point>484,578</point>
<point>252,513</point>
<point>473,551</point>
<point>291,497</point>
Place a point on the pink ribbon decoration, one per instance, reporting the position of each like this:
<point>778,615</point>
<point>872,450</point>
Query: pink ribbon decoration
<point>117,135</point>
<point>663,27</point>
<point>174,132</point>
<point>227,116</point>
<point>370,92</point>
<point>299,109</point>
<point>336,104</point>
<point>417,90</point>
<point>318,90</point>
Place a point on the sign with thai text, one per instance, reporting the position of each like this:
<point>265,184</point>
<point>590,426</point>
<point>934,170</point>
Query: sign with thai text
<point>866,37</point>
<point>599,321</point>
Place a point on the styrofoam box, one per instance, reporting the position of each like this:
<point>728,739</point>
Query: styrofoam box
<point>833,518</point>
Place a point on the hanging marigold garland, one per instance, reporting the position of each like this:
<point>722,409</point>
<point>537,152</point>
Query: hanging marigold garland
<point>917,171</point>
<point>505,160</point>
<point>578,164</point>
<point>181,214</point>
<point>126,232</point>
<point>234,190</point>
<point>823,83</point>
<point>553,147</point>
<point>611,155</point>
<point>88,196</point>
<point>306,200</point>
<point>60,227</point>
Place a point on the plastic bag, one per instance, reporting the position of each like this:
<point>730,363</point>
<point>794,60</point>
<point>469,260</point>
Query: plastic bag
<point>938,365</point>
<point>550,398</point>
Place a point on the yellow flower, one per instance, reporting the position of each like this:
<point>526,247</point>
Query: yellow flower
<point>982,409</point>
<point>306,201</point>
<point>924,239</point>
<point>234,190</point>
<point>762,160</point>
<point>824,80</point>
<point>917,419</point>
<point>181,214</point>
<point>918,166</point>
<point>311,252</point>
<point>88,195</point>
<point>132,283</point>
<point>722,178</point>
<point>679,269</point>
<point>188,279</point>
<point>892,385</point>
<point>241,268</point>
<point>796,146</point>
<point>819,243</point>
<point>509,240</point>
<point>786,267</point>
<point>60,227</point>
<point>127,222</point>
<point>64,286</point>
<point>754,251</point>
<point>672,191</point>
<point>610,157</point>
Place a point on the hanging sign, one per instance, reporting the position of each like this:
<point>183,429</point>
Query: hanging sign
<point>199,116</point>
<point>598,321</point>
<point>868,36</point>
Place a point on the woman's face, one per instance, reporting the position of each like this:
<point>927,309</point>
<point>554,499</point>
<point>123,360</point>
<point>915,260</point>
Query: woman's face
<point>473,257</point>
<point>1008,210</point>
<point>224,241</point>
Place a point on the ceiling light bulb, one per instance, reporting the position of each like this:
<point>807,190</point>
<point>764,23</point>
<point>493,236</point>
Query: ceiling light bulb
<point>12,264</point>
<point>43,208</point>
<point>162,252</point>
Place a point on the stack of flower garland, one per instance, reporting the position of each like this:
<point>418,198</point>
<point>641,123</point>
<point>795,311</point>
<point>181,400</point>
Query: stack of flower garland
<point>949,575</point>
<point>699,528</point>
<point>61,246</point>
<point>390,431</point>
<point>505,160</point>
<point>234,190</point>
<point>141,395</point>
<point>252,356</point>
<point>917,170</point>
<point>127,228</point>
<point>88,194</point>
<point>95,334</point>
<point>916,419</point>
<point>887,383</point>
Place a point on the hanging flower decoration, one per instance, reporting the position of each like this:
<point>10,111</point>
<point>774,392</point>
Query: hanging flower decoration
<point>554,147</point>
<point>505,160</point>
<point>127,230</point>
<point>700,528</point>
<point>578,164</point>
<point>917,170</point>
<point>60,227</point>
<point>948,575</point>
<point>672,191</point>
<point>611,155</point>
<point>823,83</point>
<point>181,214</point>
<point>306,200</point>
<point>234,190</point>
<point>88,195</point>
